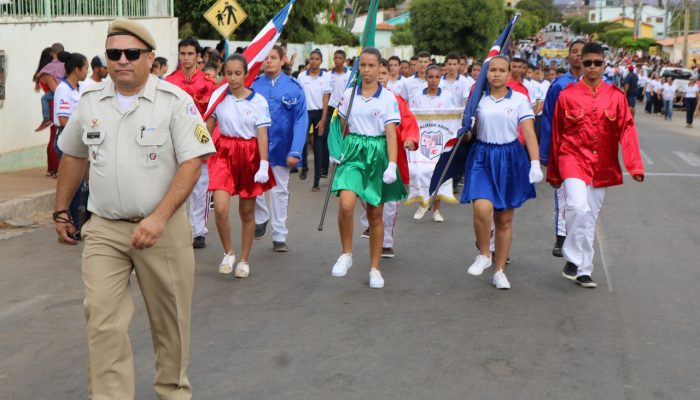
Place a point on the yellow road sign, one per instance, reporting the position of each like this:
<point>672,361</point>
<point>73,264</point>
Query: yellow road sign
<point>225,16</point>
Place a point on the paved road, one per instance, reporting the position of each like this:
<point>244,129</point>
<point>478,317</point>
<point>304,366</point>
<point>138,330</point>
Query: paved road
<point>291,331</point>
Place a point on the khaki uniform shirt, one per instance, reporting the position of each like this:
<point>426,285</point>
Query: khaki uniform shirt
<point>134,154</point>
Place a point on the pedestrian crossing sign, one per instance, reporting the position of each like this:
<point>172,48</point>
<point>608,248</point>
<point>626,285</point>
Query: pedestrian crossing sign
<point>225,16</point>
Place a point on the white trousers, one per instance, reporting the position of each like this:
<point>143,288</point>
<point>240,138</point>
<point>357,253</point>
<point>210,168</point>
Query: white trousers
<point>390,216</point>
<point>198,204</point>
<point>583,204</point>
<point>279,205</point>
<point>559,208</point>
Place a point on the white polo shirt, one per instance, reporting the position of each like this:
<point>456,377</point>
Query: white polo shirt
<point>396,86</point>
<point>411,85</point>
<point>65,99</point>
<point>370,115</point>
<point>442,100</point>
<point>669,91</point>
<point>498,119</point>
<point>339,82</point>
<point>458,88</point>
<point>242,117</point>
<point>315,88</point>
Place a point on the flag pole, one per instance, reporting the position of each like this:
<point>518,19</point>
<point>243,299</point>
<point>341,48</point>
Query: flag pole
<point>461,138</point>
<point>343,127</point>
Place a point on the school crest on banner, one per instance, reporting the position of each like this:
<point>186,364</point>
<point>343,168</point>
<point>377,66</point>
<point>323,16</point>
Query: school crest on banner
<point>436,128</point>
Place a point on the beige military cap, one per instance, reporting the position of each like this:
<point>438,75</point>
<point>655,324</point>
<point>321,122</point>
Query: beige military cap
<point>123,26</point>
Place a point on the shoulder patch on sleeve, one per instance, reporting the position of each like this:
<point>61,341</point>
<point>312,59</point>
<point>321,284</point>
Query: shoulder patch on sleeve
<point>201,134</point>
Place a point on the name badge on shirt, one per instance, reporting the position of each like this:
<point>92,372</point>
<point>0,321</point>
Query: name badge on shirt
<point>93,135</point>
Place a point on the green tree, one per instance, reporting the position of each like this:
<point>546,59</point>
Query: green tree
<point>301,26</point>
<point>615,37</point>
<point>543,9</point>
<point>333,34</point>
<point>528,25</point>
<point>466,26</point>
<point>402,35</point>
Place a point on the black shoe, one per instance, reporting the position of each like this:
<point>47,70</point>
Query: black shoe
<point>293,170</point>
<point>280,247</point>
<point>303,173</point>
<point>324,174</point>
<point>570,270</point>
<point>199,242</point>
<point>365,234</point>
<point>260,230</point>
<point>388,252</point>
<point>586,281</point>
<point>315,188</point>
<point>558,245</point>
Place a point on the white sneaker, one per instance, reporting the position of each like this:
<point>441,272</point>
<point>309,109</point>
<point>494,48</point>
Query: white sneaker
<point>242,270</point>
<point>375,279</point>
<point>479,265</point>
<point>500,281</point>
<point>437,217</point>
<point>342,266</point>
<point>420,212</point>
<point>226,266</point>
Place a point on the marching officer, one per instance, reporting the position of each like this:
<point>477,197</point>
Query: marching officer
<point>146,142</point>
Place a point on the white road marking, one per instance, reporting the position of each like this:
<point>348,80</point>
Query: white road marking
<point>671,174</point>
<point>691,159</point>
<point>645,158</point>
<point>600,238</point>
<point>22,305</point>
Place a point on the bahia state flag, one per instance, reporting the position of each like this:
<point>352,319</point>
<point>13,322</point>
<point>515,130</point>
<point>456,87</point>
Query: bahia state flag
<point>255,54</point>
<point>335,136</point>
<point>459,160</point>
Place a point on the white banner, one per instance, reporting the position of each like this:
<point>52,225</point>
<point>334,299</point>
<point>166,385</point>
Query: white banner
<point>436,128</point>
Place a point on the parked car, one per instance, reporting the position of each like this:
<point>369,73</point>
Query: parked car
<point>680,78</point>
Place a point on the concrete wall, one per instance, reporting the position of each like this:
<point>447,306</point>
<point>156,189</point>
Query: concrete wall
<point>20,146</point>
<point>303,51</point>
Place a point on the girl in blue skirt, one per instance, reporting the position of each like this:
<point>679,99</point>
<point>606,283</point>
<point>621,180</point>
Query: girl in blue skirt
<point>367,167</point>
<point>499,177</point>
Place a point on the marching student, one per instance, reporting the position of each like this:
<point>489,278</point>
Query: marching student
<point>318,87</point>
<point>455,83</point>
<point>407,134</point>
<point>200,87</point>
<point>340,75</point>
<point>395,80</point>
<point>240,166</point>
<point>550,102</point>
<point>690,101</point>
<point>285,137</point>
<point>416,83</point>
<point>431,98</point>
<point>473,74</point>
<point>498,176</point>
<point>367,167</point>
<point>591,118</point>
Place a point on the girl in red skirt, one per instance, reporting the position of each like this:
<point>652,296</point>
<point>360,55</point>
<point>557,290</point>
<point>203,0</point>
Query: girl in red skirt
<point>240,166</point>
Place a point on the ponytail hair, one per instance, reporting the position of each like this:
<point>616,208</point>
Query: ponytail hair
<point>75,61</point>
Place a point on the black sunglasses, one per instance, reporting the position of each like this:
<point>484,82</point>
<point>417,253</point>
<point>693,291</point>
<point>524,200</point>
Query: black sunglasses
<point>131,54</point>
<point>597,63</point>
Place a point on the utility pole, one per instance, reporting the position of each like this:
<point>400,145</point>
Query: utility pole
<point>685,33</point>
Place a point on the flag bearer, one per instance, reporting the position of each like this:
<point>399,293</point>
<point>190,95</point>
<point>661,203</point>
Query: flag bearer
<point>367,166</point>
<point>498,177</point>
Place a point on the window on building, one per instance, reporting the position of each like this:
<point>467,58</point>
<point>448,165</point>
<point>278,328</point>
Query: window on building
<point>648,19</point>
<point>592,17</point>
<point>659,20</point>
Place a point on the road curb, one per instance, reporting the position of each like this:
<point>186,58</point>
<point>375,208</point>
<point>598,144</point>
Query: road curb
<point>27,205</point>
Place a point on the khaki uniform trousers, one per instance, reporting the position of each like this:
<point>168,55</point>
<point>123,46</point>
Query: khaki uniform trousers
<point>165,274</point>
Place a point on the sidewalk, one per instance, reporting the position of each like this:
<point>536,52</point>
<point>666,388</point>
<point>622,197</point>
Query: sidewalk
<point>25,192</point>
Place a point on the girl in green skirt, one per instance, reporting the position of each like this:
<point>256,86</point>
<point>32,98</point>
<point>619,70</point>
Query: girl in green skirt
<point>367,166</point>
